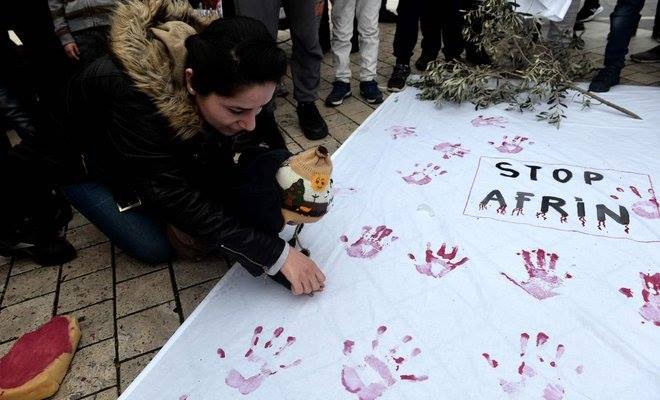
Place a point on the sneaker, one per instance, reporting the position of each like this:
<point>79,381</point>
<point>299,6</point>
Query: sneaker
<point>423,61</point>
<point>605,79</point>
<point>650,56</point>
<point>587,14</point>
<point>311,121</point>
<point>370,92</point>
<point>340,91</point>
<point>398,79</point>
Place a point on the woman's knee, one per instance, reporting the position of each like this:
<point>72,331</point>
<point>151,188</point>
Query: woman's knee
<point>150,251</point>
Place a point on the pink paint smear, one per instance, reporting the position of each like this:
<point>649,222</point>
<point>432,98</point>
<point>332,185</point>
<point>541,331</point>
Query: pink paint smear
<point>402,132</point>
<point>483,120</point>
<point>511,146</point>
<point>450,150</point>
<point>422,176</point>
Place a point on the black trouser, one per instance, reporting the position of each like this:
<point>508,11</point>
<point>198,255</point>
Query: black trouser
<point>92,43</point>
<point>437,18</point>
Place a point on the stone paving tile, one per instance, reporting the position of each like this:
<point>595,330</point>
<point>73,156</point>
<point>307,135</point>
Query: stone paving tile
<point>84,236</point>
<point>77,221</point>
<point>4,260</point>
<point>23,265</point>
<point>96,323</point>
<point>192,296</point>
<point>147,330</point>
<point>143,292</point>
<point>26,316</point>
<point>85,291</point>
<point>92,369</point>
<point>107,394</point>
<point>4,272</point>
<point>189,273</point>
<point>30,284</point>
<point>643,78</point>
<point>127,268</point>
<point>129,370</point>
<point>89,260</point>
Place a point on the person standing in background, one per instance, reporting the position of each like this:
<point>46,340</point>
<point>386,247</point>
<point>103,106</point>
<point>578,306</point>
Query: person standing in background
<point>304,17</point>
<point>343,14</point>
<point>82,27</point>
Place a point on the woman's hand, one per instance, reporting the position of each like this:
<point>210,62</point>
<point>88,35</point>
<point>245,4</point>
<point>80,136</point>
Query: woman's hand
<point>71,50</point>
<point>302,272</point>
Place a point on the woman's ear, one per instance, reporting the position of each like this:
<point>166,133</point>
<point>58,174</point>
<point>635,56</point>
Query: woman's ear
<point>189,75</point>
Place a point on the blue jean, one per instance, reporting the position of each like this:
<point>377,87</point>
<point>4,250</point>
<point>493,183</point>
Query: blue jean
<point>136,232</point>
<point>623,21</point>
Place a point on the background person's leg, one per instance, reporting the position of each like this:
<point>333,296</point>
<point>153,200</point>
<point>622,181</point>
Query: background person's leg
<point>451,22</point>
<point>136,232</point>
<point>266,11</point>
<point>367,14</point>
<point>560,33</point>
<point>343,13</point>
<point>623,20</point>
<point>407,25</point>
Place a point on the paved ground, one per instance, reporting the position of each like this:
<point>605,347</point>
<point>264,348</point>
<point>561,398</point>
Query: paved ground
<point>128,310</point>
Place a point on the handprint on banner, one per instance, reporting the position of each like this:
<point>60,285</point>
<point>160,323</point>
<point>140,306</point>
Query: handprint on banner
<point>542,276</point>
<point>424,175</point>
<point>489,121</point>
<point>398,131</point>
<point>527,371</point>
<point>382,365</point>
<point>259,362</point>
<point>512,146</point>
<point>645,208</point>
<point>450,150</point>
<point>439,266</point>
<point>650,310</point>
<point>369,245</point>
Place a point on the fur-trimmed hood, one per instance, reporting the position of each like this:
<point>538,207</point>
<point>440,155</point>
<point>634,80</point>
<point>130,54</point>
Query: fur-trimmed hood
<point>147,38</point>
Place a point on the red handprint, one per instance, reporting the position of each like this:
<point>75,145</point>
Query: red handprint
<point>266,364</point>
<point>424,175</point>
<point>552,391</point>
<point>384,363</point>
<point>650,310</point>
<point>542,278</point>
<point>511,147</point>
<point>441,265</point>
<point>489,121</point>
<point>645,208</point>
<point>449,150</point>
<point>398,131</point>
<point>369,245</point>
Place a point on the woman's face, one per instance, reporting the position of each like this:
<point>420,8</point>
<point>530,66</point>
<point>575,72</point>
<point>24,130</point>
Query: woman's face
<point>235,114</point>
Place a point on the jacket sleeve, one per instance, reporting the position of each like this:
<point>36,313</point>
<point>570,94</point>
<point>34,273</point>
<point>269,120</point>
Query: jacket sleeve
<point>59,21</point>
<point>136,136</point>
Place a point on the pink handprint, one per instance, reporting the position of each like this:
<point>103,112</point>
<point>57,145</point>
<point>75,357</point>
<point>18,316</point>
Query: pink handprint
<point>385,363</point>
<point>266,364</point>
<point>398,131</point>
<point>489,121</point>
<point>441,265</point>
<point>422,176</point>
<point>552,391</point>
<point>513,146</point>
<point>645,208</point>
<point>449,150</point>
<point>369,245</point>
<point>542,278</point>
<point>650,310</point>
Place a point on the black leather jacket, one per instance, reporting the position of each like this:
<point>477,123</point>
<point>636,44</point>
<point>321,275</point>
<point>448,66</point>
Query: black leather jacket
<point>127,142</point>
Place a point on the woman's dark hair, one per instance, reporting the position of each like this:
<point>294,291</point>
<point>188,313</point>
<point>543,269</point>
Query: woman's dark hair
<point>231,54</point>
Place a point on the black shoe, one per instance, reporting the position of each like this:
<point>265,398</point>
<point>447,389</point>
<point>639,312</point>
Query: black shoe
<point>370,92</point>
<point>387,17</point>
<point>398,79</point>
<point>340,91</point>
<point>423,61</point>
<point>650,56</point>
<point>53,252</point>
<point>477,57</point>
<point>587,14</point>
<point>578,27</point>
<point>311,121</point>
<point>605,79</point>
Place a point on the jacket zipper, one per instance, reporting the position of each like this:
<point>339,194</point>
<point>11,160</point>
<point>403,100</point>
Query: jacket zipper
<point>265,268</point>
